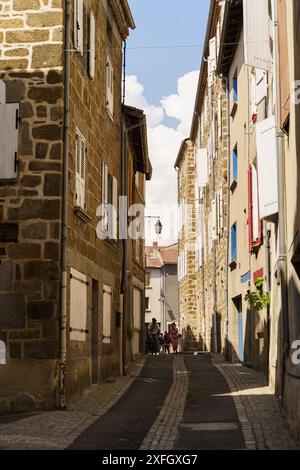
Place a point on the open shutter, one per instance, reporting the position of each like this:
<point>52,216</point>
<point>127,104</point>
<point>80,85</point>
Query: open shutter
<point>9,132</point>
<point>257,33</point>
<point>105,195</point>
<point>284,61</point>
<point>80,165</point>
<point>78,25</point>
<point>253,95</point>
<point>213,54</point>
<point>106,314</point>
<point>261,86</point>
<point>202,169</point>
<point>255,210</point>
<point>220,117</point>
<point>214,220</point>
<point>109,87</point>
<point>115,205</point>
<point>267,167</point>
<point>221,209</point>
<point>92,46</point>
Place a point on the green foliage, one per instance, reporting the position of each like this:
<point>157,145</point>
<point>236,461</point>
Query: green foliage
<point>258,299</point>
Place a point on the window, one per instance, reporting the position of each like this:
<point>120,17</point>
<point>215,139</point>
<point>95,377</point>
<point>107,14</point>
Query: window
<point>235,164</point>
<point>78,26</point>
<point>109,87</point>
<point>92,46</point>
<point>235,88</point>
<point>78,306</point>
<point>147,303</point>
<point>106,314</point>
<point>233,243</point>
<point>148,279</point>
<point>80,169</point>
<point>9,130</point>
<point>110,201</point>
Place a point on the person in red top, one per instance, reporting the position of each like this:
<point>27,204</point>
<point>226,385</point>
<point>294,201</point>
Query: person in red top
<point>174,336</point>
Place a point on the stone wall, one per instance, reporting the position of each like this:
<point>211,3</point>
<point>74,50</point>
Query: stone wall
<point>31,59</point>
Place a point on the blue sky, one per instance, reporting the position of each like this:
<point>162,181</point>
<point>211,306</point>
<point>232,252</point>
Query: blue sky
<point>159,23</point>
<point>163,82</point>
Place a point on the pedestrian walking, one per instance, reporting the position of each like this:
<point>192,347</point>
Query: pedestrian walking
<point>174,336</point>
<point>166,343</point>
<point>153,336</point>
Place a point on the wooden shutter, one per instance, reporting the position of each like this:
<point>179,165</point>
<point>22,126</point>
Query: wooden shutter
<point>109,87</point>
<point>261,89</point>
<point>267,167</point>
<point>78,305</point>
<point>233,243</point>
<point>283,63</point>
<point>9,134</point>
<point>106,313</point>
<point>92,46</point>
<point>253,94</point>
<point>78,25</point>
<point>2,92</point>
<point>115,206</point>
<point>220,117</point>
<point>202,169</point>
<point>80,166</point>
<point>221,209</point>
<point>257,50</point>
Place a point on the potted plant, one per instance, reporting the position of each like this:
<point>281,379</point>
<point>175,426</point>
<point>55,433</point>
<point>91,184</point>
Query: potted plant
<point>258,299</point>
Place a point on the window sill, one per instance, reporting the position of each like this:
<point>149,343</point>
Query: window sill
<point>233,265</point>
<point>82,214</point>
<point>233,185</point>
<point>233,109</point>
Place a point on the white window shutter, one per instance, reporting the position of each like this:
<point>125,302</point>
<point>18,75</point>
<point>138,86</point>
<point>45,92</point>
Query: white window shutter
<point>92,46</point>
<point>255,209</point>
<point>201,167</point>
<point>214,220</point>
<point>106,314</point>
<point>220,117</point>
<point>267,167</point>
<point>221,209</point>
<point>9,134</point>
<point>78,305</point>
<point>257,51</point>
<point>261,89</point>
<point>213,54</point>
<point>109,87</point>
<point>115,205</point>
<point>80,164</point>
<point>253,94</point>
<point>78,25</point>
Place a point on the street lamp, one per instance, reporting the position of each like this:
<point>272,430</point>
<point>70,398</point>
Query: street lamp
<point>158,226</point>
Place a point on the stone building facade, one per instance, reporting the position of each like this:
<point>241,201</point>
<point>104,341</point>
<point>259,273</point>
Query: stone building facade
<point>60,95</point>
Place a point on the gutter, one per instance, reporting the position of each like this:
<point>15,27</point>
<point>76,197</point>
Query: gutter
<point>64,222</point>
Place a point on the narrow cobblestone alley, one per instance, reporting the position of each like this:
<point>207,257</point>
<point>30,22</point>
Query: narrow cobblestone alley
<point>170,402</point>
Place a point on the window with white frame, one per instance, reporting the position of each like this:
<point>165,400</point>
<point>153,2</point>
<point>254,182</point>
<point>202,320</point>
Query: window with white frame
<point>107,313</point>
<point>80,170</point>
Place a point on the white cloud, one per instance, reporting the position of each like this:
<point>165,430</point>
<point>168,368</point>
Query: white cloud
<point>135,97</point>
<point>164,143</point>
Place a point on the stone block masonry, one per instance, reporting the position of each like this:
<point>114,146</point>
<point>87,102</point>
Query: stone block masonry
<point>31,66</point>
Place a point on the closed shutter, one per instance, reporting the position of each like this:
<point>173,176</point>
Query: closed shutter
<point>80,165</point>
<point>115,207</point>
<point>9,134</point>
<point>106,313</point>
<point>267,167</point>
<point>78,306</point>
<point>109,87</point>
<point>233,243</point>
<point>2,92</point>
<point>92,46</point>
<point>78,25</point>
<point>261,90</point>
<point>257,50</point>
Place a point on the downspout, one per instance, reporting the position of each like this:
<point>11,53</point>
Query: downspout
<point>227,222</point>
<point>122,339</point>
<point>282,260</point>
<point>64,270</point>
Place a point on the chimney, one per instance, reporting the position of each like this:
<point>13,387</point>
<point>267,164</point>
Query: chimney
<point>155,250</point>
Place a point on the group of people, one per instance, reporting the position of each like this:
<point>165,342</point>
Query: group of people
<point>158,342</point>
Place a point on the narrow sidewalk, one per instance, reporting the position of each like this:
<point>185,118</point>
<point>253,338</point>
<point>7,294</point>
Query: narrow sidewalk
<point>52,430</point>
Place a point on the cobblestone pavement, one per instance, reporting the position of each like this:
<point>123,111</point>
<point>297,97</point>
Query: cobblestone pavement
<point>58,429</point>
<point>186,415</point>
<point>163,432</point>
<point>264,424</point>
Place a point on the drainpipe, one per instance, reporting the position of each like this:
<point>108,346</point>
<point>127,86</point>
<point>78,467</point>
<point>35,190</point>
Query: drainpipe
<point>227,222</point>
<point>282,260</point>
<point>64,270</point>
